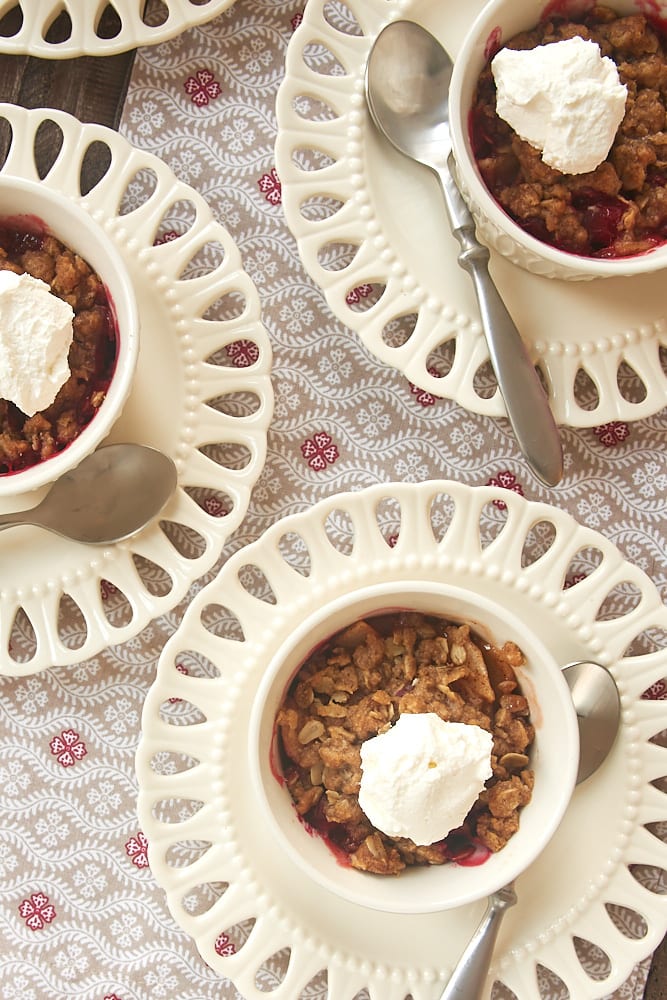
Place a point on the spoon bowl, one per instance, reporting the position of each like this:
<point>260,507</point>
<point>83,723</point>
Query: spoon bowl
<point>407,80</point>
<point>110,495</point>
<point>407,89</point>
<point>598,707</point>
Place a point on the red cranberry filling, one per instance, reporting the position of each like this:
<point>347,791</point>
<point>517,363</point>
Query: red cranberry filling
<point>601,215</point>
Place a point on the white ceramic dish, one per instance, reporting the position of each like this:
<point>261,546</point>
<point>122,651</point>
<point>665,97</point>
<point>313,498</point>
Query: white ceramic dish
<point>199,806</point>
<point>27,203</point>
<point>585,336</point>
<point>136,26</point>
<point>502,19</point>
<point>554,756</point>
<point>181,285</point>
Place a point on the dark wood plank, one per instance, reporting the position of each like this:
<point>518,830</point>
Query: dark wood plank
<point>91,89</point>
<point>656,986</point>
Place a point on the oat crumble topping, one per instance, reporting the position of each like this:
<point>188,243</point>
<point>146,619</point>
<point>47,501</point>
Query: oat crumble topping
<point>357,684</point>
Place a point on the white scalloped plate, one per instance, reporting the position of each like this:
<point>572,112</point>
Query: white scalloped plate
<point>594,341</point>
<point>168,406</point>
<point>193,753</point>
<point>133,30</point>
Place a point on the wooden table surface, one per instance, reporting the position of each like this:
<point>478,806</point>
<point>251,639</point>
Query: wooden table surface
<point>93,90</point>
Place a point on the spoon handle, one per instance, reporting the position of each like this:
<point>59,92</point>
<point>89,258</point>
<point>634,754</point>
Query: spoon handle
<point>525,399</point>
<point>470,972</point>
<point>15,519</point>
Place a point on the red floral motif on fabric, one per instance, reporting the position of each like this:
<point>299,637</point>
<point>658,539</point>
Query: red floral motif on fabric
<point>270,186</point>
<point>242,353</point>
<point>136,849</point>
<point>214,507</point>
<point>167,237</point>
<point>68,748</point>
<point>182,670</point>
<point>391,541</point>
<point>296,21</point>
<point>37,911</point>
<point>612,434</point>
<point>319,451</point>
<point>107,589</point>
<point>425,398</point>
<point>575,578</point>
<point>508,481</point>
<point>357,294</point>
<point>202,87</point>
<point>112,996</point>
<point>224,945</point>
<point>657,691</point>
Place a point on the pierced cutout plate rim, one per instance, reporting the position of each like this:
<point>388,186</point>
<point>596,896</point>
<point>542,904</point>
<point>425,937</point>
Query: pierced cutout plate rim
<point>394,955</point>
<point>175,342</point>
<point>393,213</point>
<point>83,39</point>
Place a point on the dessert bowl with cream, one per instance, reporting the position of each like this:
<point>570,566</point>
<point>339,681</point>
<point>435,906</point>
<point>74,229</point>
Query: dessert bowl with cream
<point>69,335</point>
<point>559,130</point>
<point>413,749</point>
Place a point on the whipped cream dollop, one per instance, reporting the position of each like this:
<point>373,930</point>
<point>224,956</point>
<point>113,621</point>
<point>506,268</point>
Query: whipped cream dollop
<point>564,98</point>
<point>35,337</point>
<point>420,778</point>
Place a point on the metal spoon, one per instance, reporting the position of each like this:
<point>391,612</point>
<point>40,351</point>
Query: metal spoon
<point>109,496</point>
<point>407,86</point>
<point>598,708</point>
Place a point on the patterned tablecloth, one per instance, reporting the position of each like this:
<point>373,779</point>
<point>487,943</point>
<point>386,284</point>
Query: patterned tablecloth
<point>80,913</point>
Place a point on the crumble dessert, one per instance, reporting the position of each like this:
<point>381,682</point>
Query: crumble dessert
<point>619,208</point>
<point>26,440</point>
<point>356,686</point>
